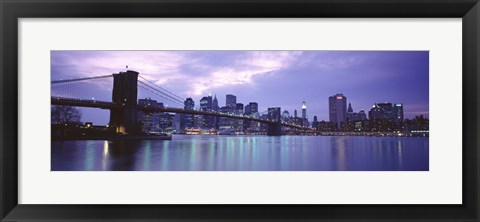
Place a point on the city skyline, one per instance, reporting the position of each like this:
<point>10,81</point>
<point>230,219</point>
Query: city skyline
<point>271,78</point>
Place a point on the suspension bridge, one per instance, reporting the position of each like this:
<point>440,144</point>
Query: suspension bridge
<point>124,107</point>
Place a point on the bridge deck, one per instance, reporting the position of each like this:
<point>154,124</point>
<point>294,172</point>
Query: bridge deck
<point>110,105</point>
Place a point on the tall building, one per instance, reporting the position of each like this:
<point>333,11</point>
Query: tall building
<point>248,110</point>
<point>252,110</point>
<point>206,105</point>
<point>198,121</point>
<point>239,108</point>
<point>238,123</point>
<point>304,110</point>
<point>188,119</point>
<point>285,116</point>
<point>253,107</point>
<point>149,121</point>
<point>295,114</point>
<point>337,109</point>
<point>304,114</point>
<point>177,119</point>
<point>350,109</point>
<point>226,125</point>
<point>166,123</point>
<point>315,122</point>
<point>231,101</point>
<point>398,110</point>
<point>215,108</point>
<point>215,104</point>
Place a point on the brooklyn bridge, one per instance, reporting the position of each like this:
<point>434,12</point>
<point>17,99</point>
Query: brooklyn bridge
<point>124,107</point>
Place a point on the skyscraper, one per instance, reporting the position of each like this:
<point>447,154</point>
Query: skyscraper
<point>350,109</point>
<point>253,107</point>
<point>304,114</point>
<point>248,110</point>
<point>231,101</point>
<point>285,116</point>
<point>149,121</point>
<point>398,110</point>
<point>337,109</point>
<point>215,104</point>
<point>205,105</point>
<point>187,122</point>
<point>166,122</point>
<point>239,108</point>
<point>304,110</point>
<point>252,110</point>
<point>315,122</point>
<point>215,108</point>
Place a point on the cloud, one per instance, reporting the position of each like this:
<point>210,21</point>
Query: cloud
<point>241,70</point>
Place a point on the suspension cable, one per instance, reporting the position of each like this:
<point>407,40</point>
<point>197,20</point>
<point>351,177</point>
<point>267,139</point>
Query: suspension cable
<point>163,93</point>
<point>173,94</point>
<point>144,86</point>
<point>79,79</point>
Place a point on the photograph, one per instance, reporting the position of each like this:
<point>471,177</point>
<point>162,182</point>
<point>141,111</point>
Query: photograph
<point>239,110</point>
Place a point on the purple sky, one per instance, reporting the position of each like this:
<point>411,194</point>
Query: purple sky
<point>271,78</point>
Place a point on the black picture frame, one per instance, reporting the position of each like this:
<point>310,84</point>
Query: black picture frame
<point>12,10</point>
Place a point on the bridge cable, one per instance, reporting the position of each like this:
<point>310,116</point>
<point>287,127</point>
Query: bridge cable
<point>79,79</point>
<point>144,86</point>
<point>173,94</point>
<point>164,94</point>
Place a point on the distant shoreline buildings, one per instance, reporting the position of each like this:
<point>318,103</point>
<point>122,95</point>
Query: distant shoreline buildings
<point>382,117</point>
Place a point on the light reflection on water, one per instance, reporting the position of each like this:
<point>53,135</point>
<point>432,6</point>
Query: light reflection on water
<point>244,153</point>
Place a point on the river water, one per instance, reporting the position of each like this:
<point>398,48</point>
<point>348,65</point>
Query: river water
<point>244,153</point>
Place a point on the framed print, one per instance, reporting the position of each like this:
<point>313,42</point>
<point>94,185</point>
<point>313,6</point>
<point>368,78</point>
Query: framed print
<point>223,110</point>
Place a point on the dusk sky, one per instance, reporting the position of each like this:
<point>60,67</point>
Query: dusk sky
<point>270,78</point>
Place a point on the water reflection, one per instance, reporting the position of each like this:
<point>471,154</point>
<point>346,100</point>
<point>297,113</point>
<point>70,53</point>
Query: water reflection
<point>244,153</point>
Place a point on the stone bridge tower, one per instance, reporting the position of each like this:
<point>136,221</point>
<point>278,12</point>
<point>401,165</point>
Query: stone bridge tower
<point>124,93</point>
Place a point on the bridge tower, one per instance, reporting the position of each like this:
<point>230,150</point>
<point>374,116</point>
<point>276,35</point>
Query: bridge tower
<point>274,129</point>
<point>125,93</point>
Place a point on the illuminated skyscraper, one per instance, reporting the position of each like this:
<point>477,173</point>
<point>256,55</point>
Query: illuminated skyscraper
<point>304,114</point>
<point>304,110</point>
<point>337,109</point>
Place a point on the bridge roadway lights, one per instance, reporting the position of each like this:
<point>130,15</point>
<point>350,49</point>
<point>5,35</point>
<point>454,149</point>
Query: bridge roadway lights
<point>274,129</point>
